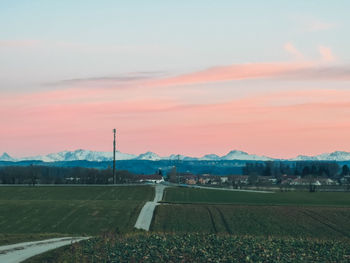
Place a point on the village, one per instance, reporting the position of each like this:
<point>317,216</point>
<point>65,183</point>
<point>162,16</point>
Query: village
<point>242,181</point>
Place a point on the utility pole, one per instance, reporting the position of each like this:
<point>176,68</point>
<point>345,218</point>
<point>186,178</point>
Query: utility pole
<point>114,175</point>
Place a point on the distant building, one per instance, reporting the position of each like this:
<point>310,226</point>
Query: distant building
<point>224,179</point>
<point>191,181</point>
<point>240,179</point>
<point>154,178</point>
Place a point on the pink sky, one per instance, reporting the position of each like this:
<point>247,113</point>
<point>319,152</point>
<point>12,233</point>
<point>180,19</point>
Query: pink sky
<point>175,77</point>
<point>187,114</point>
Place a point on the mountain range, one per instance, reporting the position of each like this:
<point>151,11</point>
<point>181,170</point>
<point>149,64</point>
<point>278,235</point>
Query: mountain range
<point>96,156</point>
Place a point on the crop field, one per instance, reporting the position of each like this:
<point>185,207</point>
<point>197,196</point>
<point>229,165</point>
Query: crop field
<point>198,248</point>
<point>69,210</point>
<point>282,221</point>
<point>282,214</point>
<point>190,195</point>
<point>197,225</point>
<point>48,193</point>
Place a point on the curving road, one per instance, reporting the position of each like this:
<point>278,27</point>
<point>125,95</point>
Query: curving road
<point>145,217</point>
<point>19,252</point>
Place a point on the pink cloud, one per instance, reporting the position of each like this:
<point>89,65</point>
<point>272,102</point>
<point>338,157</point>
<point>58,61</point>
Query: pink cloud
<point>290,48</point>
<point>234,72</point>
<point>280,123</point>
<point>295,70</point>
<point>326,53</point>
<point>298,70</point>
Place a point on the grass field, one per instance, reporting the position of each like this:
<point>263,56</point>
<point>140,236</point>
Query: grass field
<point>280,221</point>
<point>198,248</point>
<point>191,225</point>
<point>48,193</point>
<point>69,210</point>
<point>323,215</point>
<point>190,195</point>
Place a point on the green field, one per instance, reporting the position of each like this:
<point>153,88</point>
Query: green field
<point>70,210</point>
<point>48,193</point>
<point>198,248</point>
<point>280,221</point>
<point>282,214</point>
<point>190,195</point>
<point>191,224</point>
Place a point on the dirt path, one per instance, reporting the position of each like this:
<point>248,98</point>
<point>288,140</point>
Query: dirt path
<point>145,217</point>
<point>234,190</point>
<point>219,188</point>
<point>19,252</point>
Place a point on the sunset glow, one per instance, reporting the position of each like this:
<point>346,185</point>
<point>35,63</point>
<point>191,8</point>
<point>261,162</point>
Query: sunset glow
<point>171,86</point>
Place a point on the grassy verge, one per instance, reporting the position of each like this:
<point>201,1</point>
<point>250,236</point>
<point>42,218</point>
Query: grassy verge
<point>7,239</point>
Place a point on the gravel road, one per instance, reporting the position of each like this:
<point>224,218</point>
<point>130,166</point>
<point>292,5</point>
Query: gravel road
<point>19,252</point>
<point>145,217</point>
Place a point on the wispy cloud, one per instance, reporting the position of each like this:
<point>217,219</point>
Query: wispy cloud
<point>301,68</point>
<point>234,72</point>
<point>127,78</point>
<point>314,25</point>
<point>290,48</point>
<point>326,53</point>
<point>19,43</point>
<point>311,23</point>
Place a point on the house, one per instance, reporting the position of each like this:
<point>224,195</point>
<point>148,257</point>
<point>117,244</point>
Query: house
<point>267,180</point>
<point>326,181</point>
<point>307,181</point>
<point>191,181</point>
<point>202,180</point>
<point>208,179</point>
<point>154,178</point>
<point>224,179</point>
<point>239,179</point>
<point>188,178</point>
<point>300,181</point>
<point>345,179</point>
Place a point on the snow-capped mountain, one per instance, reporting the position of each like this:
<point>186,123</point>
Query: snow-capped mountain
<point>303,158</point>
<point>149,156</point>
<point>334,156</point>
<point>79,155</point>
<point>210,157</point>
<point>7,158</point>
<point>239,155</point>
<point>179,157</point>
<point>95,156</point>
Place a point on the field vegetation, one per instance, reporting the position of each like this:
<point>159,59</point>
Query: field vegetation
<point>192,225</point>
<point>193,195</point>
<point>69,210</point>
<point>280,221</point>
<point>198,248</point>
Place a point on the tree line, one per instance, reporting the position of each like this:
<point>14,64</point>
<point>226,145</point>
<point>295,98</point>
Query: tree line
<point>301,168</point>
<point>35,174</point>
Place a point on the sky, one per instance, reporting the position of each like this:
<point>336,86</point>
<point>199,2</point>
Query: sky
<point>175,77</point>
